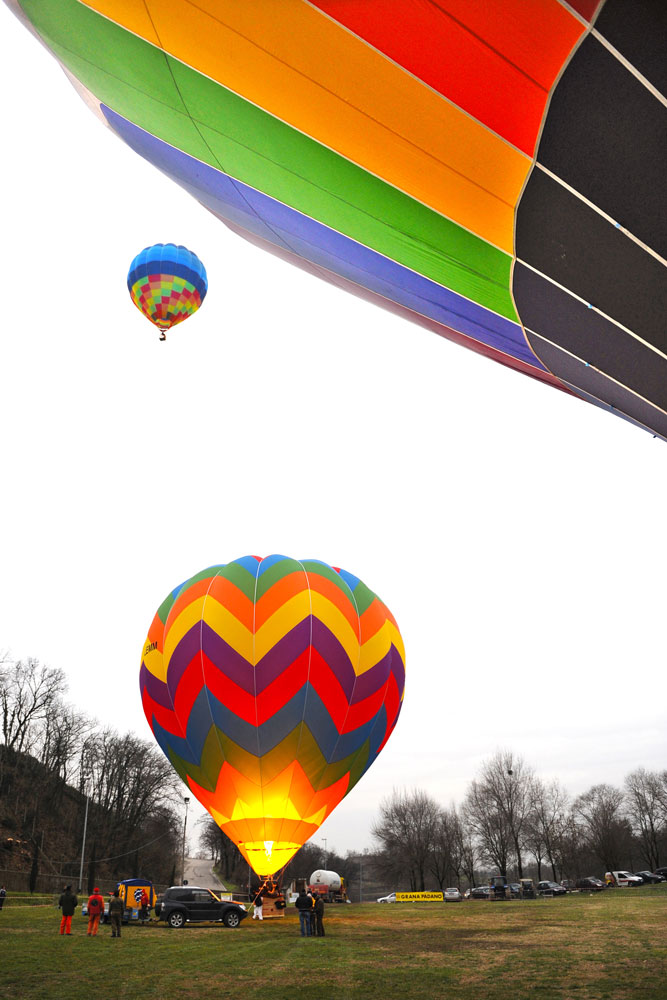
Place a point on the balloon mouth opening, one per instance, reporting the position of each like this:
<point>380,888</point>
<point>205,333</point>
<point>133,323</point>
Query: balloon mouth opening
<point>266,857</point>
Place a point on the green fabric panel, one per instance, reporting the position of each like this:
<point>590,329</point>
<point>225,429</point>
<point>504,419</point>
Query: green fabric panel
<point>165,607</point>
<point>277,572</point>
<point>314,568</point>
<point>246,142</point>
<point>364,597</point>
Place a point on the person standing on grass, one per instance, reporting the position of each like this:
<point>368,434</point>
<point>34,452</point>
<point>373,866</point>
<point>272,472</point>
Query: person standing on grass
<point>3,894</point>
<point>67,904</point>
<point>144,904</point>
<point>311,897</point>
<point>116,909</point>
<point>95,911</point>
<point>304,905</point>
<point>258,913</point>
<point>319,916</point>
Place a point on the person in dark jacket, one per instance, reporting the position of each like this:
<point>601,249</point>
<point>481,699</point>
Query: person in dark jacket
<point>304,905</point>
<point>3,894</point>
<point>67,904</point>
<point>95,911</point>
<point>319,916</point>
<point>116,910</point>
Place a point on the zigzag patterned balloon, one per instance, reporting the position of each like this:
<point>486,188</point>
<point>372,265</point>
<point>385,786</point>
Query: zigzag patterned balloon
<point>272,685</point>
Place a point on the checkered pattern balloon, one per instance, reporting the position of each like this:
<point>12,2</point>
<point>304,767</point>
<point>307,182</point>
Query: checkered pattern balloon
<point>167,283</point>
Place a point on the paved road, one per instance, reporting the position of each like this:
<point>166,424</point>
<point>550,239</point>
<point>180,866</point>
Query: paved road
<point>199,871</point>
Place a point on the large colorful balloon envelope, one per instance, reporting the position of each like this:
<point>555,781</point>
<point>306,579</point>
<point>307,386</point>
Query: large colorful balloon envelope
<point>272,685</point>
<point>491,169</point>
<point>167,283</point>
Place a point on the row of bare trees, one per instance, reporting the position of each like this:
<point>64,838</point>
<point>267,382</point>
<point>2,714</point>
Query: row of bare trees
<point>511,821</point>
<point>56,763</point>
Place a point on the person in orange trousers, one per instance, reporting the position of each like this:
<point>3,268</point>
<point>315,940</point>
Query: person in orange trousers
<point>67,904</point>
<point>95,911</point>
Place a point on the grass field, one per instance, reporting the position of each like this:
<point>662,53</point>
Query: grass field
<point>612,945</point>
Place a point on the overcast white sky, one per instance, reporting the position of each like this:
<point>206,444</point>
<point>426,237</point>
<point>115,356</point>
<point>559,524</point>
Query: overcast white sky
<point>517,534</point>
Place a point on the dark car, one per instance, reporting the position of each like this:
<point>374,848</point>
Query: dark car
<point>480,892</point>
<point>651,877</point>
<point>568,884</point>
<point>592,884</point>
<point>182,904</point>
<point>551,889</point>
<point>661,871</point>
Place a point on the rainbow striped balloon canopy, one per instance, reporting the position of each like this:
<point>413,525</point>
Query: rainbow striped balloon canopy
<point>167,283</point>
<point>493,170</point>
<point>272,685</point>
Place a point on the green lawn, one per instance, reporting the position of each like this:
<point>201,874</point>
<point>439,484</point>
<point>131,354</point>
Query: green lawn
<point>612,945</point>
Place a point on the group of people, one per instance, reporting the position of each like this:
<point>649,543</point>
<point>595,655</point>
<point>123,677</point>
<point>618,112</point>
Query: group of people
<point>68,903</point>
<point>311,914</point>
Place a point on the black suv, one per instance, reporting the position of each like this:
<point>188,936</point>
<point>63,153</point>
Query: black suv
<point>183,904</point>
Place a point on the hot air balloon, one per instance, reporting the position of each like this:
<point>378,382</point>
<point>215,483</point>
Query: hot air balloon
<point>272,685</point>
<point>167,283</point>
<point>493,171</point>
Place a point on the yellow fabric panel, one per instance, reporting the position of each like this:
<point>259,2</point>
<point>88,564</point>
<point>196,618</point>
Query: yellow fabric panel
<point>228,627</point>
<point>288,615</point>
<point>290,60</point>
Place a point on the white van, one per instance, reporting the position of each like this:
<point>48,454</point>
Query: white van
<point>623,878</point>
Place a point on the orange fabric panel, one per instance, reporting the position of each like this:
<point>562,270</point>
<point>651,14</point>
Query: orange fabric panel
<point>289,59</point>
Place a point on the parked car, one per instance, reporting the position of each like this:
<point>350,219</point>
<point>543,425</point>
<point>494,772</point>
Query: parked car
<point>652,878</point>
<point>661,871</point>
<point>452,895</point>
<point>480,892</point>
<point>568,884</point>
<point>591,883</point>
<point>391,898</point>
<point>624,878</point>
<point>515,890</point>
<point>181,904</point>
<point>551,889</point>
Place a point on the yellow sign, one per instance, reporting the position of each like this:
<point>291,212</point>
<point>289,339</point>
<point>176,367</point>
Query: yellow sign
<point>419,897</point>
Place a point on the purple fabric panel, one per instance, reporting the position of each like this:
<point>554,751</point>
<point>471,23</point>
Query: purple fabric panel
<point>398,668</point>
<point>226,659</point>
<point>282,654</point>
<point>299,234</point>
<point>182,656</point>
<point>372,680</point>
<point>330,649</point>
<point>157,689</point>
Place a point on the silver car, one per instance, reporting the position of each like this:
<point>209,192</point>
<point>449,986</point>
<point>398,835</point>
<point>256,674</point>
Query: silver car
<point>453,895</point>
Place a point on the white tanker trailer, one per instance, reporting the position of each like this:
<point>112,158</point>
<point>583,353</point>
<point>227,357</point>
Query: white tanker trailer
<point>329,885</point>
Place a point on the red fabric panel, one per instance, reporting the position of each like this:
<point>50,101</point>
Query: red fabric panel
<point>496,61</point>
<point>585,7</point>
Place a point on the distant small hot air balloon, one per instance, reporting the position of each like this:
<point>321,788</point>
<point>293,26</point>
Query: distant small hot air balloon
<point>167,283</point>
<point>272,685</point>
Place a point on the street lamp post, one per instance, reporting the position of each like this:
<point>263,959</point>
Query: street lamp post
<point>185,823</point>
<point>83,845</point>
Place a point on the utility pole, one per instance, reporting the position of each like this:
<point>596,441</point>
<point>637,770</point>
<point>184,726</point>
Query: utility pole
<point>185,823</point>
<point>83,845</point>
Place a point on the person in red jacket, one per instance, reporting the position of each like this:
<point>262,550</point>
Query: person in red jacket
<point>95,911</point>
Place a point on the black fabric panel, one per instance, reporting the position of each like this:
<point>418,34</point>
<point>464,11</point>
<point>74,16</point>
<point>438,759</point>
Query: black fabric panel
<point>638,30</point>
<point>591,382</point>
<point>568,241</point>
<point>552,313</point>
<point>605,134</point>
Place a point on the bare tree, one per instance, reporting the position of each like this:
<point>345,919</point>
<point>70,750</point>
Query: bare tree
<point>546,824</point>
<point>406,831</point>
<point>498,806</point>
<point>646,808</point>
<point>606,831</point>
<point>489,826</point>
<point>27,690</point>
<point>445,858</point>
